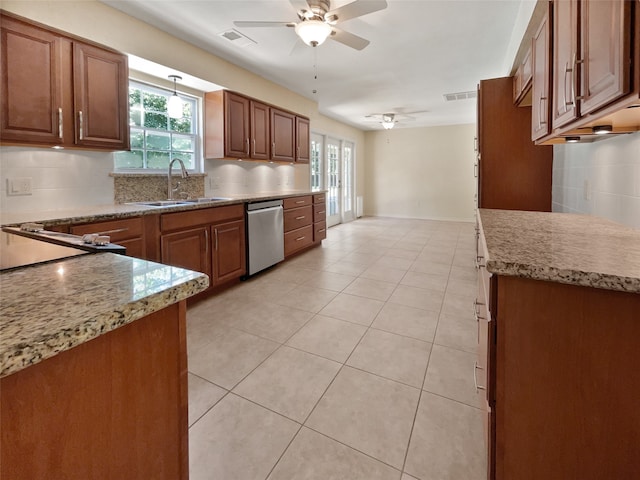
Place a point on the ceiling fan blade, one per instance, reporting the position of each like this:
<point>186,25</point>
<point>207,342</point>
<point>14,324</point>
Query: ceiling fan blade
<point>299,5</point>
<point>348,39</point>
<point>355,9</point>
<point>263,24</point>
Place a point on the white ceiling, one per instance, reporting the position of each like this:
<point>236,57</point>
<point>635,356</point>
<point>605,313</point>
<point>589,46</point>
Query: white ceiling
<point>419,51</point>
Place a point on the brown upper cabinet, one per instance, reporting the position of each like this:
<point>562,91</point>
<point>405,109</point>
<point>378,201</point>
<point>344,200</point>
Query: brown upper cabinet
<point>240,127</point>
<point>260,130</point>
<point>522,81</point>
<point>303,144</point>
<point>60,90</point>
<point>541,61</point>
<point>592,57</point>
<point>283,143</point>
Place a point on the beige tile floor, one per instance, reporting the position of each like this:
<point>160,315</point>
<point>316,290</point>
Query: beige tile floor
<point>353,361</point>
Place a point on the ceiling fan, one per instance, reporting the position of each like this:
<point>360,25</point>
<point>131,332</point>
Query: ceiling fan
<point>389,120</point>
<point>318,21</point>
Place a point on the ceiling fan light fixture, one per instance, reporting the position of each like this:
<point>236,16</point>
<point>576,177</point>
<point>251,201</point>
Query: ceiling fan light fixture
<point>388,121</point>
<point>313,32</point>
<point>174,105</point>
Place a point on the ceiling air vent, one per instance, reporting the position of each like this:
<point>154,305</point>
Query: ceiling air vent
<point>452,97</point>
<point>237,38</point>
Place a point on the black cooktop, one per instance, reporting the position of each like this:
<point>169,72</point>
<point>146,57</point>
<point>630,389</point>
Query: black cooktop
<point>19,251</point>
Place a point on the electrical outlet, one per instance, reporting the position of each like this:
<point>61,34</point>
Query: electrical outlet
<point>19,186</point>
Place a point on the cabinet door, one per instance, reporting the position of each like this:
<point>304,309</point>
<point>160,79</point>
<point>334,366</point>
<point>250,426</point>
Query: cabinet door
<point>282,135</point>
<point>541,49</point>
<point>31,99</point>
<point>187,249</point>
<point>303,146</point>
<point>236,135</point>
<point>605,34</point>
<point>101,97</point>
<point>260,134</point>
<point>229,260</point>
<point>565,62</point>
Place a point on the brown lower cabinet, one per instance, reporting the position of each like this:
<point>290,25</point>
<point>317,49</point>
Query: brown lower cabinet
<point>113,407</point>
<point>319,217</point>
<point>209,240</point>
<point>298,224</point>
<point>559,364</point>
<point>128,232</point>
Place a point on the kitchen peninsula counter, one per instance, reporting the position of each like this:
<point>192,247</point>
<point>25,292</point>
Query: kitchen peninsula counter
<point>93,364</point>
<point>562,247</point>
<point>49,308</point>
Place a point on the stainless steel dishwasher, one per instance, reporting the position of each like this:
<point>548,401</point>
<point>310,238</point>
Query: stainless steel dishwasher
<point>265,234</point>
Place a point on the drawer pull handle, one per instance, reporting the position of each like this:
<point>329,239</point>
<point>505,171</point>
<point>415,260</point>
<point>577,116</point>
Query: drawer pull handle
<point>321,230</point>
<point>111,232</point>
<point>300,238</point>
<point>475,377</point>
<point>299,202</point>
<point>323,211</point>
<point>301,217</point>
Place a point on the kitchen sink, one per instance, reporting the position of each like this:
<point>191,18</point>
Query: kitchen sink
<point>162,203</point>
<point>207,199</point>
<point>177,203</point>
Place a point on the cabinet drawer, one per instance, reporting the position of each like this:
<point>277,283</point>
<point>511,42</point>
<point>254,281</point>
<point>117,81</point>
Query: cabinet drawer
<point>203,216</point>
<point>297,218</point>
<point>319,198</point>
<point>319,231</point>
<point>297,239</point>
<point>295,202</point>
<point>118,230</point>
<point>319,213</point>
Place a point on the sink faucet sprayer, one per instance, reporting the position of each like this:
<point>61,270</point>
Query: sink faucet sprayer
<point>184,174</point>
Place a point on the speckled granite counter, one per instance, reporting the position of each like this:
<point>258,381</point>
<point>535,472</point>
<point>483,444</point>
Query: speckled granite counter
<point>49,308</point>
<point>561,247</point>
<point>93,213</point>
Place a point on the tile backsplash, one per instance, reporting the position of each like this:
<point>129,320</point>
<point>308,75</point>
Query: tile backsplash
<point>600,178</point>
<point>60,179</point>
<point>63,179</point>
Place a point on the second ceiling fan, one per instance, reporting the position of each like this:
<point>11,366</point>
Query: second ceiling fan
<point>318,21</point>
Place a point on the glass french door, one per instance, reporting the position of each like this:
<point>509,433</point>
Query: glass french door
<point>317,162</point>
<point>334,183</point>
<point>348,196</point>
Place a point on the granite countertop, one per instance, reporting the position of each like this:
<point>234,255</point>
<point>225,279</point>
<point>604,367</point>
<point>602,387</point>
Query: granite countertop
<point>49,308</point>
<point>93,213</point>
<point>562,247</point>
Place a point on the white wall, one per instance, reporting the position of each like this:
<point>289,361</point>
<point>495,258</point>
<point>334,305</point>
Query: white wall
<point>421,173</point>
<point>611,168</point>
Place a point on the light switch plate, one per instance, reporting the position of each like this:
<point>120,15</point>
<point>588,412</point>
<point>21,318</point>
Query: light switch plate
<point>19,186</point>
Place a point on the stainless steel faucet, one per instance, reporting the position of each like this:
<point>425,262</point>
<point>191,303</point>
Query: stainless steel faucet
<point>184,174</point>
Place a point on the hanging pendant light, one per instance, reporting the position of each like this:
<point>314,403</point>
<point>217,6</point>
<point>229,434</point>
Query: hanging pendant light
<point>174,106</point>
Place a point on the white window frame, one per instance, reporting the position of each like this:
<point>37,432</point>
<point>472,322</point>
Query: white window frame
<point>196,125</point>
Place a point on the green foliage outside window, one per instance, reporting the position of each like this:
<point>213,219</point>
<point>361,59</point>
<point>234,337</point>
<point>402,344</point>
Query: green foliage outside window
<point>156,139</point>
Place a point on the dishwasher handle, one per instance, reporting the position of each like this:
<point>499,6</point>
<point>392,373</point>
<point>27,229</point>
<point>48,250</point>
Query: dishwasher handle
<point>264,210</point>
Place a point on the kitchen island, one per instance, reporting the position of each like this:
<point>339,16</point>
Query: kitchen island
<point>93,369</point>
<point>558,313</point>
